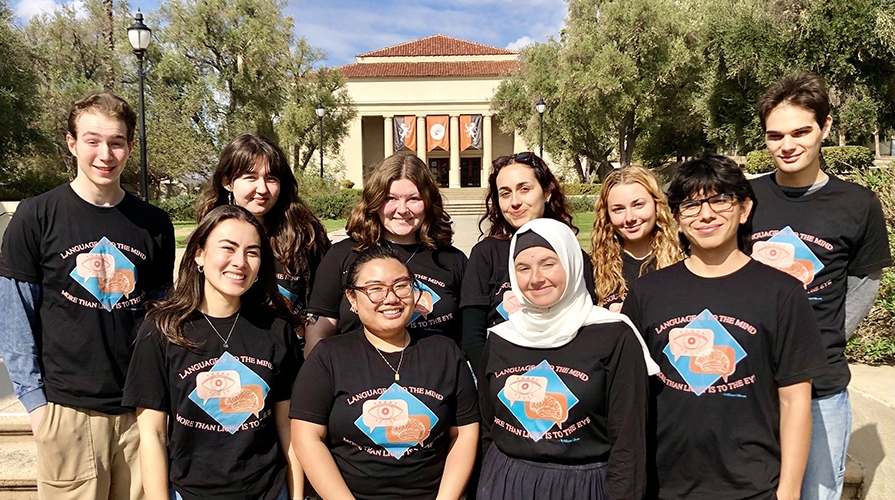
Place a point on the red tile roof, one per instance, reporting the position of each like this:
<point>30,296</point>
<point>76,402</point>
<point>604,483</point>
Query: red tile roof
<point>424,69</point>
<point>438,45</point>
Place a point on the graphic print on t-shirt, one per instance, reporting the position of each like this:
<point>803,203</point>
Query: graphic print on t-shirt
<point>509,305</point>
<point>538,399</point>
<point>787,252</point>
<point>703,351</point>
<point>291,297</point>
<point>396,420</point>
<point>106,273</point>
<point>424,299</point>
<point>230,392</point>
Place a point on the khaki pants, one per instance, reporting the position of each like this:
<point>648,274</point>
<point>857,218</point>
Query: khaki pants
<point>84,454</point>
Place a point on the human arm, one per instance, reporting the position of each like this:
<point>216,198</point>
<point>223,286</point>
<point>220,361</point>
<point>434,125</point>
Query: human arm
<point>460,459</point>
<point>859,299</point>
<point>627,383</point>
<point>475,332</point>
<point>152,425</point>
<point>317,329</point>
<point>795,437</point>
<point>295,478</point>
<point>19,300</point>
<point>309,442</point>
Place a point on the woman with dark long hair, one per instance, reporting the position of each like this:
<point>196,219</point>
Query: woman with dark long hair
<point>212,372</point>
<point>401,208</point>
<point>520,188</point>
<point>253,173</point>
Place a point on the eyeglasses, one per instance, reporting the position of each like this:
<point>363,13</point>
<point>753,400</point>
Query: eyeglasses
<point>719,203</point>
<point>377,293</point>
<point>525,157</point>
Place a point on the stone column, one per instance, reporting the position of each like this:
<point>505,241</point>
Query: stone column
<point>486,149</point>
<point>389,134</point>
<point>422,135</point>
<point>454,177</point>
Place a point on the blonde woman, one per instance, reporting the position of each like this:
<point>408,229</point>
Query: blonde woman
<point>634,233</point>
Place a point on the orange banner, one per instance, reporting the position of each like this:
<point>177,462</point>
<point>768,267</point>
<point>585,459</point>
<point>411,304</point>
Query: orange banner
<point>405,132</point>
<point>437,132</point>
<point>470,132</point>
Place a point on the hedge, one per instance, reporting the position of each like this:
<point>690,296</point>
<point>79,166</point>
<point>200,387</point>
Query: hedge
<point>840,160</point>
<point>335,205</point>
<point>181,207</point>
<point>573,189</point>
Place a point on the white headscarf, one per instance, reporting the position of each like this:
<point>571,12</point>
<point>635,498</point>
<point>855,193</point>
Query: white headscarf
<point>557,325</point>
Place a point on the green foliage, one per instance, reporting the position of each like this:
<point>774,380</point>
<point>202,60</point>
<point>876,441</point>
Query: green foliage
<point>845,159</point>
<point>181,207</point>
<point>840,160</point>
<point>573,189</point>
<point>759,162</point>
<point>581,203</point>
<point>334,205</point>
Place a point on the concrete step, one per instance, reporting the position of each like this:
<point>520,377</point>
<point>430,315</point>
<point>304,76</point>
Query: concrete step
<point>853,480</point>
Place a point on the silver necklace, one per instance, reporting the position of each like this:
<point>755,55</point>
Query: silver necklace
<point>227,340</point>
<point>400,360</point>
<point>415,250</point>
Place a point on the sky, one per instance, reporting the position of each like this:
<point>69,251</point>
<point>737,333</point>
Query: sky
<point>346,28</point>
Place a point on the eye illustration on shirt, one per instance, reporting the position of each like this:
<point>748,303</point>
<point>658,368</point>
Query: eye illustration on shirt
<point>690,341</point>
<point>95,265</point>
<point>384,413</point>
<point>525,388</point>
<point>777,255</point>
<point>218,384</point>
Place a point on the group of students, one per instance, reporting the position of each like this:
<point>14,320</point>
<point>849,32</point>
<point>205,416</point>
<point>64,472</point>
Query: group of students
<point>676,360</point>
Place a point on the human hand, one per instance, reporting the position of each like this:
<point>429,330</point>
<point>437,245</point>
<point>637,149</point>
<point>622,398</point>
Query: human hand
<point>35,416</point>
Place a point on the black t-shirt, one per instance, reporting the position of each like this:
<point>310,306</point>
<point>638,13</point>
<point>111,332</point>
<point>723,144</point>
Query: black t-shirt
<point>222,435</point>
<point>487,284</point>
<point>438,274</point>
<point>822,238</point>
<point>95,265</point>
<point>389,438</point>
<point>724,346</point>
<point>631,270</point>
<point>581,403</point>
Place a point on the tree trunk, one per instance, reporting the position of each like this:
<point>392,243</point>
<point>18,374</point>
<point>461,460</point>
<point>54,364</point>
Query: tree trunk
<point>876,142</point>
<point>109,80</point>
<point>841,136</point>
<point>626,139</point>
<point>579,169</point>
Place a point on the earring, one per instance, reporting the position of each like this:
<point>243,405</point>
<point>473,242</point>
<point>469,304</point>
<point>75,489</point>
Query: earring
<point>201,268</point>
<point>229,197</point>
<point>256,280</point>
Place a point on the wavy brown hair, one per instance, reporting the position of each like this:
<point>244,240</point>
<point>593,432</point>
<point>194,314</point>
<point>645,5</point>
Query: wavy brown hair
<point>555,208</point>
<point>173,312</point>
<point>297,237</point>
<point>608,245</point>
<point>364,226</point>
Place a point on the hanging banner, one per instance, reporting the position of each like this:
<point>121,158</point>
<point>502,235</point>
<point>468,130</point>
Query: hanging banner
<point>405,132</point>
<point>437,132</point>
<point>470,132</point>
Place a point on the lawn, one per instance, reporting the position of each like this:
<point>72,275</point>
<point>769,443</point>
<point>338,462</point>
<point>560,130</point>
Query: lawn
<point>585,223</point>
<point>182,229</point>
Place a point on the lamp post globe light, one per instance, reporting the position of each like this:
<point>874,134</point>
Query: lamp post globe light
<point>320,110</point>
<point>138,35</point>
<point>541,106</point>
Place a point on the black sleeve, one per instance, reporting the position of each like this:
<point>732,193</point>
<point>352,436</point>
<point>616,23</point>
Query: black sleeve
<point>486,406</point>
<point>589,278</point>
<point>467,398</point>
<point>289,366</point>
<point>313,394</point>
<point>163,271</point>
<point>475,332</point>
<point>631,309</point>
<point>798,353</point>
<point>627,385</point>
<point>21,254</point>
<point>326,292</point>
<point>147,376</point>
<point>872,251</point>
<point>476,288</point>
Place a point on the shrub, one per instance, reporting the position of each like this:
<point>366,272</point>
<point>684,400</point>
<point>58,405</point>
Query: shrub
<point>575,189</point>
<point>581,203</point>
<point>347,184</point>
<point>840,160</point>
<point>334,205</point>
<point>181,207</point>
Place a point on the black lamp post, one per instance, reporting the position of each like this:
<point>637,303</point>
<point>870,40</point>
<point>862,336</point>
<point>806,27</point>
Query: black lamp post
<point>541,106</point>
<point>138,35</point>
<point>320,110</point>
